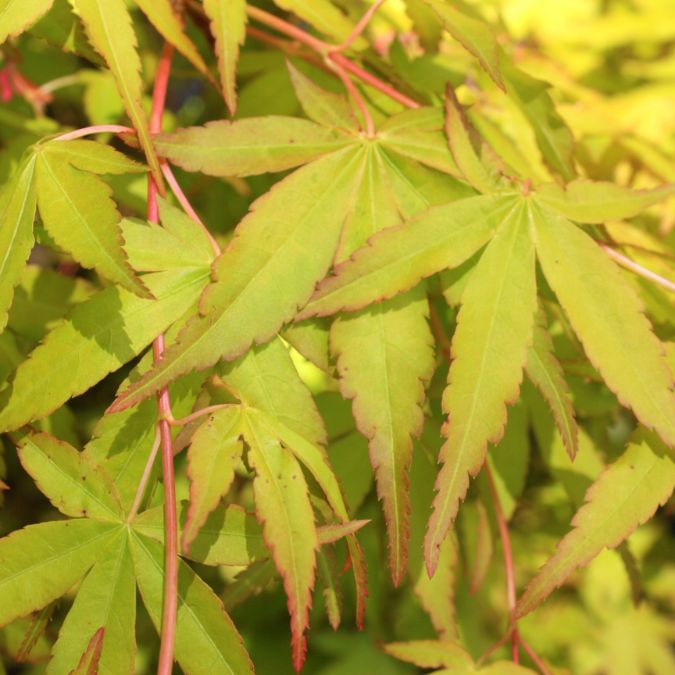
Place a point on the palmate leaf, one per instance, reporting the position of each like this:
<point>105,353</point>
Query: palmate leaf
<point>68,478</point>
<point>228,27</point>
<point>213,455</point>
<point>163,18</point>
<point>384,356</point>
<point>17,213</point>
<point>606,315</point>
<point>283,506</point>
<point>77,209</point>
<point>106,601</point>
<point>266,379</point>
<point>250,146</point>
<point>623,497</point>
<point>48,559</point>
<point>494,330</point>
<point>279,252</point>
<point>17,15</point>
<point>100,335</point>
<point>109,29</point>
<point>207,643</point>
<point>395,260</point>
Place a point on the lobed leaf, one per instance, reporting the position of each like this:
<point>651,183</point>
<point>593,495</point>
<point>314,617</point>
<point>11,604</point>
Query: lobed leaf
<point>109,29</point>
<point>431,654</point>
<point>586,201</point>
<point>398,258</point>
<point>78,212</point>
<point>101,335</point>
<point>17,213</point>
<point>623,497</point>
<point>213,455</point>
<point>40,563</point>
<point>279,252</point>
<point>249,146</point>
<point>266,379</point>
<point>92,156</point>
<point>207,642</point>
<point>283,507</point>
<point>489,348</point>
<point>18,15</point>
<point>69,479</point>
<point>228,27</point>
<point>105,604</point>
<point>607,316</point>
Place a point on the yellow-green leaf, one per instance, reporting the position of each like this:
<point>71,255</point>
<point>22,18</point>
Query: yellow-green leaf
<point>489,348</point>
<point>17,15</point>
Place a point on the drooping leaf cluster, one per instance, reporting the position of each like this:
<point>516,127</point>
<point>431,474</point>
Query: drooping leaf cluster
<point>434,307</point>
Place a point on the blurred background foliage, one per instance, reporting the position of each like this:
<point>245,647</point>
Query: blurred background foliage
<point>611,64</point>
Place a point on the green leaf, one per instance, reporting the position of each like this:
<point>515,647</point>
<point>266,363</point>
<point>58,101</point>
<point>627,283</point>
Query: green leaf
<point>18,15</point>
<point>68,478</point>
<point>545,373</point>
<point>606,314</point>
<point>494,329</point>
<point>597,202</point>
<point>178,243</point>
<point>110,31</point>
<point>101,335</point>
<point>214,453</point>
<point>249,146</point>
<point>432,654</point>
<point>624,496</point>
<point>42,562</point>
<point>398,258</point>
<point>315,460</point>
<point>329,576</point>
<point>279,252</point>
<point>266,379</point>
<point>105,601</point>
<point>163,18</point>
<point>462,141</point>
<point>228,27</point>
<point>553,137</point>
<point>283,506</point>
<point>93,157</point>
<point>418,135</point>
<point>78,212</point>
<point>320,105</point>
<point>207,642</point>
<point>17,213</point>
<point>229,537</point>
<point>310,338</point>
<point>475,35</point>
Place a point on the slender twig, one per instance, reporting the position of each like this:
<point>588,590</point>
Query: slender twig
<point>170,604</point>
<point>196,415</point>
<point>133,511</point>
<point>638,269</point>
<point>360,26</point>
<point>357,99</point>
<point>508,562</point>
<point>289,29</point>
<point>187,207</point>
<point>59,83</point>
<point>96,129</point>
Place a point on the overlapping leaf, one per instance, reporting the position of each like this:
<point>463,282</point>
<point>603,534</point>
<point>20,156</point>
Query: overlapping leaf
<point>17,15</point>
<point>623,497</point>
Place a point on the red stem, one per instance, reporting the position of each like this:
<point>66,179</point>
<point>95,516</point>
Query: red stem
<point>170,604</point>
<point>508,562</point>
